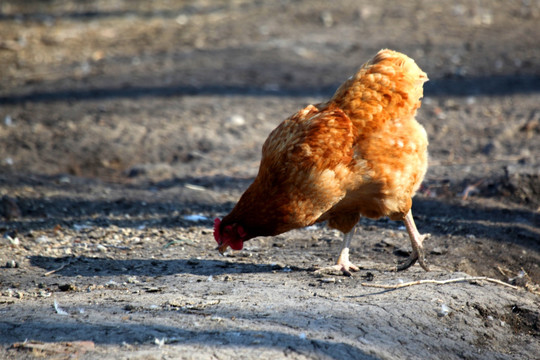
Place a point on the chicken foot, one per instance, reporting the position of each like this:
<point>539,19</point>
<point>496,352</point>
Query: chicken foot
<point>416,242</point>
<point>343,264</point>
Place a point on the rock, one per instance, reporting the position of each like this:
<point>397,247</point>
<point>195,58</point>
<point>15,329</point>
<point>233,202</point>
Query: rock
<point>67,287</point>
<point>438,251</point>
<point>327,19</point>
<point>236,120</point>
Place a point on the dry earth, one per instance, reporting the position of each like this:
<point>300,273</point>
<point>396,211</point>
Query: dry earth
<point>127,126</point>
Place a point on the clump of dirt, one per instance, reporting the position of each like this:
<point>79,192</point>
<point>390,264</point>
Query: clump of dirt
<point>523,182</point>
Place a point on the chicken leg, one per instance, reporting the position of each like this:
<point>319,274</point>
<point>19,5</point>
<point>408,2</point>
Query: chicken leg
<point>343,264</point>
<point>416,242</point>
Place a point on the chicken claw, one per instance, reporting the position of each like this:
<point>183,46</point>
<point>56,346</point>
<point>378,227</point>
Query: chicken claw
<point>342,267</point>
<point>343,264</point>
<point>416,242</point>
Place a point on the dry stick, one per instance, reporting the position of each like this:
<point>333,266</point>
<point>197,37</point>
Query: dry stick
<point>55,270</point>
<point>442,282</point>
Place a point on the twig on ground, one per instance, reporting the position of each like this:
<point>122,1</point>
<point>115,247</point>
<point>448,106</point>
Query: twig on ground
<point>471,189</point>
<point>56,270</point>
<point>440,282</point>
<point>503,272</point>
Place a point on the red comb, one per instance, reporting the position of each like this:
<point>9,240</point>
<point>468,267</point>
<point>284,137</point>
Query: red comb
<point>217,221</point>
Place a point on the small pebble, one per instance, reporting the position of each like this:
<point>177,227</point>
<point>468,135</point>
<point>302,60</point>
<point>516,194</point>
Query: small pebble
<point>327,19</point>
<point>42,239</point>
<point>130,307</point>
<point>236,120</point>
<point>8,120</point>
<point>443,311</point>
<point>43,293</point>
<point>13,241</point>
<point>182,19</point>
<point>12,264</point>
<point>132,280</point>
<point>159,342</point>
<point>369,276</point>
<point>438,251</point>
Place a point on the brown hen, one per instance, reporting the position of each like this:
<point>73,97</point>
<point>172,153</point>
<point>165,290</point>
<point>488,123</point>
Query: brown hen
<point>360,154</point>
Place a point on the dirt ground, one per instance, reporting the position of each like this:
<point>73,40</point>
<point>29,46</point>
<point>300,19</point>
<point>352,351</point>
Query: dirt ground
<point>127,126</point>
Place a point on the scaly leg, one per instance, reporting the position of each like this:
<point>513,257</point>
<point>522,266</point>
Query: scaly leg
<point>416,242</point>
<point>343,264</point>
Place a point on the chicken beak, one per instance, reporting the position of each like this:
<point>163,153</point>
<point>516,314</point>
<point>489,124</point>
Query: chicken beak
<point>222,248</point>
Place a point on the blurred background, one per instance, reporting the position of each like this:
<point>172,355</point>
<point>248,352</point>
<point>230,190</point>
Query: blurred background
<point>115,89</point>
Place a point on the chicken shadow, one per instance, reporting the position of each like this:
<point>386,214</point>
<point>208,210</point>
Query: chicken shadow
<point>90,266</point>
<point>439,217</point>
<point>70,210</point>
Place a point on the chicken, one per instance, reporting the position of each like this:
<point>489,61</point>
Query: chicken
<point>360,154</point>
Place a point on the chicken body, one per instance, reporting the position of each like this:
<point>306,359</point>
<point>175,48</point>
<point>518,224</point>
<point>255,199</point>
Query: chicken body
<point>360,154</point>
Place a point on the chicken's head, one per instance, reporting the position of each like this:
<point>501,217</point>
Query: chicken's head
<point>232,235</point>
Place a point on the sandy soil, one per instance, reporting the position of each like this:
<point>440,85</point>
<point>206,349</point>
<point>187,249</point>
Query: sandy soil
<point>127,126</point>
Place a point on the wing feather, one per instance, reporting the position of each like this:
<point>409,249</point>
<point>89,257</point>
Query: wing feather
<point>307,162</point>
